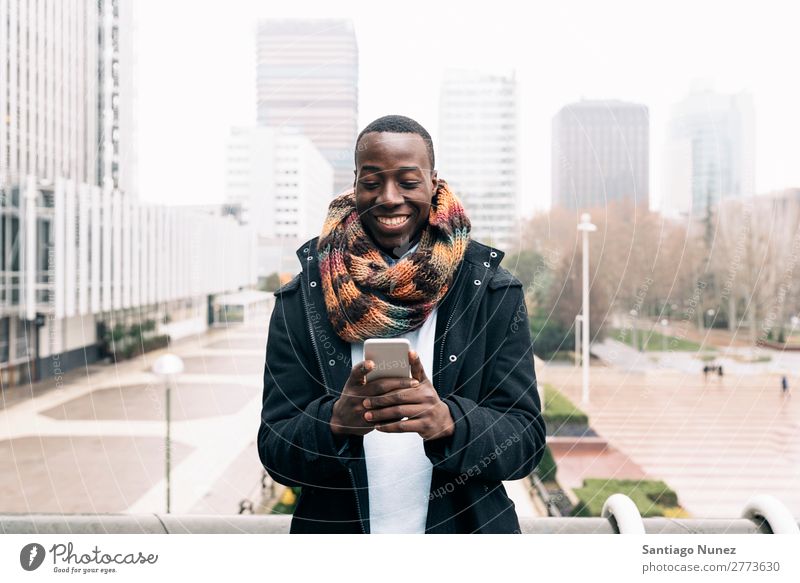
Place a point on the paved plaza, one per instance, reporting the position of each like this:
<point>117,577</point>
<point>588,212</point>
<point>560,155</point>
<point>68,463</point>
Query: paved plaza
<point>96,443</point>
<point>715,443</point>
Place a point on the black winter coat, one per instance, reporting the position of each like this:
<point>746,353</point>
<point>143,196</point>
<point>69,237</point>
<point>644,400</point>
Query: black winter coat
<point>483,371</point>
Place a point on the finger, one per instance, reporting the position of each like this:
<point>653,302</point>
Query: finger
<point>417,371</point>
<point>387,385</point>
<point>395,413</point>
<point>400,397</point>
<point>402,426</point>
<point>358,374</point>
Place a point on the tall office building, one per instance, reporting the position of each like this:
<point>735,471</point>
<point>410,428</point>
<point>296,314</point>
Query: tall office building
<point>282,184</point>
<point>66,114</point>
<point>307,77</point>
<point>478,151</point>
<point>78,252</point>
<point>709,152</point>
<point>600,153</point>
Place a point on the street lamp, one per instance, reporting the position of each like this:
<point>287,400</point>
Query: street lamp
<point>168,367</point>
<point>710,312</point>
<point>586,227</point>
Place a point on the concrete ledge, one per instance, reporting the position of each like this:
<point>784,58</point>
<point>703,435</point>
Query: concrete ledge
<point>279,524</point>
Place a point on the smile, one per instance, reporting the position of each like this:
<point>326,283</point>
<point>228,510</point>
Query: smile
<point>393,221</point>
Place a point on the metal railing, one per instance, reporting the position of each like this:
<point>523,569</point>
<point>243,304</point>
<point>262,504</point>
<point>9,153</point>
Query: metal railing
<point>762,515</point>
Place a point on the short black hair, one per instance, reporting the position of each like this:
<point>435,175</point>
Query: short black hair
<point>399,124</point>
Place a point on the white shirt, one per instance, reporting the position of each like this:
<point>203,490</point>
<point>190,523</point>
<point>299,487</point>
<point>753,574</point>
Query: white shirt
<point>398,471</point>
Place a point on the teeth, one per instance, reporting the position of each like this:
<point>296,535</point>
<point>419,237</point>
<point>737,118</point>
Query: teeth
<point>392,221</point>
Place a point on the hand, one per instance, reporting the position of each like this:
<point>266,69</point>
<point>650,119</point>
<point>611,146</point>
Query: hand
<point>347,416</point>
<point>426,413</point>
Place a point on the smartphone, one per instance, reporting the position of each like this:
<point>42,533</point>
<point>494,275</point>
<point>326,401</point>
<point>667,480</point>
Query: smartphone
<point>390,356</point>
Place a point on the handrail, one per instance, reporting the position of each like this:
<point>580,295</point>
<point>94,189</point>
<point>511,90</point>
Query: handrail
<point>624,514</point>
<point>279,524</point>
<point>773,511</point>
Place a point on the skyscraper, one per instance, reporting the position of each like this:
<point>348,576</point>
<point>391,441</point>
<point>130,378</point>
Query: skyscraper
<point>78,251</point>
<point>600,153</point>
<point>64,111</point>
<point>479,150</point>
<point>307,77</point>
<point>709,153</point>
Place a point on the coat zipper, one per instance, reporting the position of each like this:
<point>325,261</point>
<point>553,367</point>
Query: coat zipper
<point>358,504</point>
<point>446,328</point>
<point>322,372</point>
<point>313,340</point>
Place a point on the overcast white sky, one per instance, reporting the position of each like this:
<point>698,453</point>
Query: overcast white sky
<point>196,73</point>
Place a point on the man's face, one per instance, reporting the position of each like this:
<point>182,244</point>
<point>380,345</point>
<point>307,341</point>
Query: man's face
<point>394,185</point>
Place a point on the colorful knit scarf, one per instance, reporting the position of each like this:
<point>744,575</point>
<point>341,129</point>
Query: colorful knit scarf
<point>368,298</point>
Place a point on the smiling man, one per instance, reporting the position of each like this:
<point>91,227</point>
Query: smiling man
<point>420,455</point>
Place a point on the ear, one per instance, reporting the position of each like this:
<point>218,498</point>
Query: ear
<point>435,179</point>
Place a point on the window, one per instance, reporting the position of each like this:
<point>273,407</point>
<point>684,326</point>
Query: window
<point>4,340</point>
<point>21,344</point>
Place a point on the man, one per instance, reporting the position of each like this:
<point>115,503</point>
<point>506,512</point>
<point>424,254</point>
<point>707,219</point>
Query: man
<point>395,259</point>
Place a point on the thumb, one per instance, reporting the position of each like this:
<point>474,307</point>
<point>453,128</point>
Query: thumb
<point>417,370</point>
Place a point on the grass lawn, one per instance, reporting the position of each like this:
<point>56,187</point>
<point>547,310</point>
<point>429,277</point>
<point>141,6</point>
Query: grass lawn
<point>558,409</point>
<point>655,341</point>
<point>652,497</point>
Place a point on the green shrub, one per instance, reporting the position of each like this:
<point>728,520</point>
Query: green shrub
<point>284,507</point>
<point>652,497</point>
<point>549,336</point>
<point>559,410</point>
<point>547,468</point>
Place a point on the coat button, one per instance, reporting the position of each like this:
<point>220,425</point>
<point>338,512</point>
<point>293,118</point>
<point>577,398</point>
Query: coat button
<point>477,282</point>
<point>331,362</point>
<point>485,488</point>
<point>313,284</point>
<point>493,254</point>
<point>305,250</point>
<point>453,358</point>
<point>486,264</point>
<point>309,258</point>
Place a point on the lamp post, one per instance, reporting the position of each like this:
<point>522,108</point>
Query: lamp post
<point>586,227</point>
<point>168,367</point>
<point>710,312</point>
<point>664,324</point>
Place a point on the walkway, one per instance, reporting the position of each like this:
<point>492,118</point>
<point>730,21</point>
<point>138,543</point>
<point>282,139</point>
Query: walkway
<point>96,443</point>
<point>715,443</point>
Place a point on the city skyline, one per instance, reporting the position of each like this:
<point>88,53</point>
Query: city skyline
<point>401,73</point>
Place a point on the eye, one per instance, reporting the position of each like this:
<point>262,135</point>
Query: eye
<point>409,185</point>
<point>370,185</point>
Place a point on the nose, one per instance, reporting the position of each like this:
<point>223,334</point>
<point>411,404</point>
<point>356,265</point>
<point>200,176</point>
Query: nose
<point>389,196</point>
